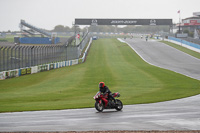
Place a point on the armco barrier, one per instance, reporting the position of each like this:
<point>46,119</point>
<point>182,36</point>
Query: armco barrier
<point>41,68</point>
<point>86,51</point>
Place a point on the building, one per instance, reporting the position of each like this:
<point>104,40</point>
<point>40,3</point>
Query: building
<point>191,23</point>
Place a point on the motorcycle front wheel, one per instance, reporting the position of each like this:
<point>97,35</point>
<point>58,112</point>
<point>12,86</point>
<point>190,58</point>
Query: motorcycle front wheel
<point>99,107</point>
<point>119,105</point>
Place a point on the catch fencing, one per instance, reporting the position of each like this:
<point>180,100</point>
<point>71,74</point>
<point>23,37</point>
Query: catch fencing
<point>44,67</point>
<point>15,57</point>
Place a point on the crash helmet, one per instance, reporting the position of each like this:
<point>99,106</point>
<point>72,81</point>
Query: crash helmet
<point>101,84</point>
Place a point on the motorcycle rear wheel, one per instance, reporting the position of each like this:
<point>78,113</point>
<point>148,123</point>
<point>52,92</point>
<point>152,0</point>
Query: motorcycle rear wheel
<point>99,107</point>
<point>119,105</point>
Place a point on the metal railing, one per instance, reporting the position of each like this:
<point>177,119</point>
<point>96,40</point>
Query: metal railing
<point>15,57</point>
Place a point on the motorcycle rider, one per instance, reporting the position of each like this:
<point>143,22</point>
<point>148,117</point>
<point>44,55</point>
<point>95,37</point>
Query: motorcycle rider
<point>147,38</point>
<point>104,89</point>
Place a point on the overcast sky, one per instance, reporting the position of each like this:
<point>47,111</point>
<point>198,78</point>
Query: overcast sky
<point>49,13</point>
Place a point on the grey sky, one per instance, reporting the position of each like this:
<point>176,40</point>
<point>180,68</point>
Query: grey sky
<point>49,13</point>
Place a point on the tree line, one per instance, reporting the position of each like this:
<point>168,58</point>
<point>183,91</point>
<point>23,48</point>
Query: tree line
<point>107,28</point>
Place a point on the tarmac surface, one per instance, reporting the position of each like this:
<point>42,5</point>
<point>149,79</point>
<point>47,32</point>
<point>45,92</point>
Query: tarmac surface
<point>181,114</point>
<point>6,44</point>
<point>164,56</point>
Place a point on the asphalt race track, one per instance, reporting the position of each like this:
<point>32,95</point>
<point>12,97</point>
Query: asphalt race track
<point>181,114</point>
<point>164,56</point>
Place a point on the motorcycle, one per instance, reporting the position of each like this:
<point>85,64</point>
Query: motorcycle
<point>102,102</point>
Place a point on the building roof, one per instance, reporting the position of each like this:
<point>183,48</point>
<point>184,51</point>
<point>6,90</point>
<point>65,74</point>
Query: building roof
<point>194,17</point>
<point>196,14</point>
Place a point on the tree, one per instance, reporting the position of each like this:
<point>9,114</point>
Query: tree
<point>59,28</point>
<point>186,31</point>
<point>67,29</point>
<point>77,28</point>
<point>191,34</point>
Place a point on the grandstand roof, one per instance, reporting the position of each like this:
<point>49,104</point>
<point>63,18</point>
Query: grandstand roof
<point>196,14</point>
<point>194,17</point>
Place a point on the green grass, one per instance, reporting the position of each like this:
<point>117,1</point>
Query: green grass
<point>110,61</point>
<point>183,49</point>
<point>7,39</point>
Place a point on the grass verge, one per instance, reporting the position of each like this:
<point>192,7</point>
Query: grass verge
<point>183,49</point>
<point>110,61</point>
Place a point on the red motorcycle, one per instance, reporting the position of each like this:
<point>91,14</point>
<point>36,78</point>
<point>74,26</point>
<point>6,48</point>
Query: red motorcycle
<point>102,102</point>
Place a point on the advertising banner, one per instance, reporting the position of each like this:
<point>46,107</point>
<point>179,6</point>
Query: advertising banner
<point>57,65</point>
<point>23,71</point>
<point>63,64</point>
<point>28,70</point>
<point>74,62</point>
<point>39,68</point>
<point>11,74</point>
<point>183,35</point>
<point>193,22</point>
<point>54,64</point>
<point>123,21</point>
<point>2,75</point>
<point>51,66</point>
<point>34,69</point>
<point>67,63</point>
<point>42,68</point>
<point>14,73</point>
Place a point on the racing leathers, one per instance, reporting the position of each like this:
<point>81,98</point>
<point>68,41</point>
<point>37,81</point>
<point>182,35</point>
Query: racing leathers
<point>105,90</point>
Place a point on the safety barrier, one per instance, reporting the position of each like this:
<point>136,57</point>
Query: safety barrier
<point>86,51</point>
<point>44,67</point>
<point>197,46</point>
<point>19,56</point>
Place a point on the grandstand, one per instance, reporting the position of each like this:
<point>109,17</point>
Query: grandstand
<point>33,29</point>
<point>46,37</point>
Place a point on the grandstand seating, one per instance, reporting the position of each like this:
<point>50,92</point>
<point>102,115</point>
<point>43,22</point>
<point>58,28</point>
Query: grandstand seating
<point>23,23</point>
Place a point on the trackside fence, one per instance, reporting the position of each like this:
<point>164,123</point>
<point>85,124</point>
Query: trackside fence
<point>197,46</point>
<point>21,60</point>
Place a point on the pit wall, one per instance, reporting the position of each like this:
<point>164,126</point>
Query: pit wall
<point>44,67</point>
